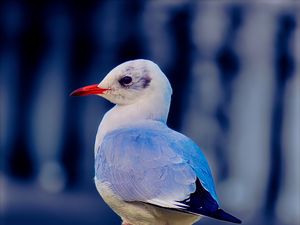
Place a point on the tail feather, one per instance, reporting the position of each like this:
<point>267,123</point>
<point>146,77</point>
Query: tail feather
<point>222,215</point>
<point>201,202</point>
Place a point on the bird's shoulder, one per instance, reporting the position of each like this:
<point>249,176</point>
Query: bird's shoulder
<point>149,128</point>
<point>149,132</point>
<point>154,138</point>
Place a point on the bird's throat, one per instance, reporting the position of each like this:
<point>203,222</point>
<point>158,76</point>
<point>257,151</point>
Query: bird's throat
<point>126,115</point>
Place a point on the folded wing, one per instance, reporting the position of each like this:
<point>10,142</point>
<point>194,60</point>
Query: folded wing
<point>153,164</point>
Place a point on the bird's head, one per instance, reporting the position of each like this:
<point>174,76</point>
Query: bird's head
<point>130,82</point>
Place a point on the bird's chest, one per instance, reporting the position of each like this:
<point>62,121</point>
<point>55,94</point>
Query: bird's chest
<point>130,212</point>
<point>115,202</point>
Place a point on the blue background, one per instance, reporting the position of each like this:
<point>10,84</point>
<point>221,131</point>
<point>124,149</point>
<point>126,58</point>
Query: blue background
<point>234,68</point>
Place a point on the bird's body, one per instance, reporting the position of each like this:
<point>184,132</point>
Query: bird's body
<point>134,185</point>
<point>146,172</point>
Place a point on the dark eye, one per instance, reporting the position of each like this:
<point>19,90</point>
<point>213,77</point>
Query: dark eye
<point>125,80</point>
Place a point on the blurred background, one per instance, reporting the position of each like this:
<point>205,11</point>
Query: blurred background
<point>234,68</point>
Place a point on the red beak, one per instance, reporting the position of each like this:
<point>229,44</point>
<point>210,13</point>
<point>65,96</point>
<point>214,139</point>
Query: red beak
<point>89,90</point>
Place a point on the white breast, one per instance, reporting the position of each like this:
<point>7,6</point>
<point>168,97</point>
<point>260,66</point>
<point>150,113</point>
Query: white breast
<point>137,213</point>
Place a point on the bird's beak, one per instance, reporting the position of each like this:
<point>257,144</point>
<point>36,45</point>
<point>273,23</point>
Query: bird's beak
<point>93,89</point>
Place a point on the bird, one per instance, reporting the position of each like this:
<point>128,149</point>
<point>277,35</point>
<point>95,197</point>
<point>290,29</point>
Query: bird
<point>146,172</point>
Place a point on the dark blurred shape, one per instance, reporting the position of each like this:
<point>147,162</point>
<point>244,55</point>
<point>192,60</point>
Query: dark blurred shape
<point>31,47</point>
<point>228,64</point>
<point>284,71</point>
<point>179,70</point>
<point>131,38</point>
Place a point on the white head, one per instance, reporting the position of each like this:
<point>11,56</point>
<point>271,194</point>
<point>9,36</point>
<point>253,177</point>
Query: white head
<point>131,82</point>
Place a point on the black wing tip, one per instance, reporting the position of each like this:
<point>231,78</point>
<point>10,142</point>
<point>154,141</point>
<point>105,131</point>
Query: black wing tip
<point>222,215</point>
<point>201,202</point>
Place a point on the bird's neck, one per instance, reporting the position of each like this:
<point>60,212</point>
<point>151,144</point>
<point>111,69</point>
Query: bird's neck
<point>154,107</point>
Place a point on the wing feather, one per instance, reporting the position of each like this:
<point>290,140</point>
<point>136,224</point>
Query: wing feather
<point>153,164</point>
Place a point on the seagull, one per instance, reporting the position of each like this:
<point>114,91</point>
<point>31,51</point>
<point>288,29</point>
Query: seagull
<point>146,172</point>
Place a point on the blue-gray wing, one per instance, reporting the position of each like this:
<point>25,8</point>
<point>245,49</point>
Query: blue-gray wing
<point>154,164</point>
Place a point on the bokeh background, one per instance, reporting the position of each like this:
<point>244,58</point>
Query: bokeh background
<point>234,68</point>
